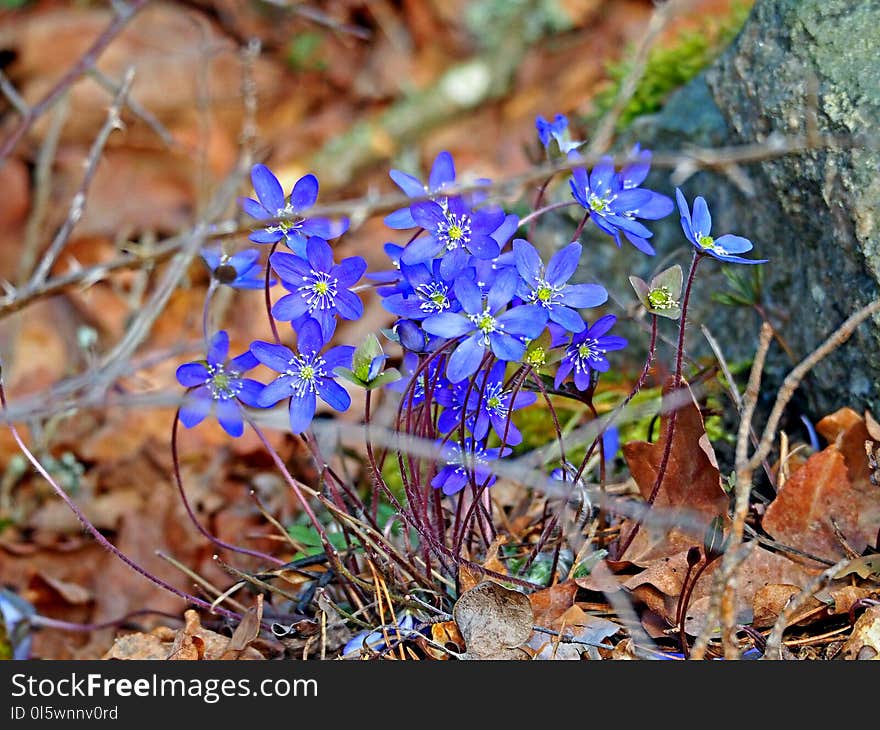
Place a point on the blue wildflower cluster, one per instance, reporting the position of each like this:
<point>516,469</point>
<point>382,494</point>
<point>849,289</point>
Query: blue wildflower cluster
<point>478,311</point>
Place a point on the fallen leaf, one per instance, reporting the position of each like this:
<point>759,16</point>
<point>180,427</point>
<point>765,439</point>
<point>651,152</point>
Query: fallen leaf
<point>690,496</point>
<point>770,601</point>
<point>446,634</point>
<point>864,642</point>
<point>550,604</point>
<point>69,592</point>
<point>833,484</point>
<point>579,633</point>
<point>845,597</point>
<point>864,567</point>
<point>494,621</point>
<point>246,632</point>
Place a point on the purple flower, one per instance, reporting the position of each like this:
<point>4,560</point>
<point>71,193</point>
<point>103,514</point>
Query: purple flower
<point>320,288</point>
<point>430,376</point>
<point>614,201</point>
<point>587,352</point>
<point>549,288</point>
<point>492,409</point>
<point>217,384</point>
<point>557,131</point>
<point>442,176</point>
<point>454,231</point>
<point>484,325</point>
<point>423,291</point>
<point>461,464</point>
<point>697,227</point>
<point>296,228</point>
<point>304,376</point>
<point>239,271</point>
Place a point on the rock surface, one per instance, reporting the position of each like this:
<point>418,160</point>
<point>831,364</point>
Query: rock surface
<point>815,215</point>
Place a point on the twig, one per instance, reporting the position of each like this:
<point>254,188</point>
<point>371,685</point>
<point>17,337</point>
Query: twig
<point>319,17</point>
<point>78,204</point>
<point>136,108</point>
<point>86,62</point>
<point>660,18</point>
<point>773,650</point>
<point>11,93</point>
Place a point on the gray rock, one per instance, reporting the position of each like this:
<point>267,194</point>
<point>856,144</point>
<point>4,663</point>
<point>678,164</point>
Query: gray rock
<point>815,215</point>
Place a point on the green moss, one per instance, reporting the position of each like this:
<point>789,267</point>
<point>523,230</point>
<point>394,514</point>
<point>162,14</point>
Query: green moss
<point>671,66</point>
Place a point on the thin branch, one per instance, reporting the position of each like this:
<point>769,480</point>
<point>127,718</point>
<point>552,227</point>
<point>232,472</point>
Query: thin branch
<point>82,66</point>
<point>11,93</point>
<point>78,204</point>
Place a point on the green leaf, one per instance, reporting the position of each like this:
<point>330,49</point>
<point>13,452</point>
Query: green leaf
<point>364,354</point>
<point>389,376</point>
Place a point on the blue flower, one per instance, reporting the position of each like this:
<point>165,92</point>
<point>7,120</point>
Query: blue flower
<point>218,384</point>
<point>549,288</point>
<point>240,271</point>
<point>492,409</point>
<point>557,131</point>
<point>296,228</point>
<point>430,376</point>
<point>461,464</point>
<point>454,231</point>
<point>320,288</point>
<point>378,640</point>
<point>422,291</point>
<point>614,201</point>
<point>698,226</point>
<point>304,376</point>
<point>587,352</point>
<point>484,325</point>
<point>442,176</point>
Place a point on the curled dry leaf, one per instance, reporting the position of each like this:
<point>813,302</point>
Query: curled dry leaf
<point>690,496</point>
<point>192,642</point>
<point>832,491</point>
<point>494,621</point>
<point>551,604</point>
<point>579,634</point>
<point>864,642</point>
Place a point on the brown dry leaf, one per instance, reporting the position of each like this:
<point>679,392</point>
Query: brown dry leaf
<point>445,633</point>
<point>550,604</point>
<point>864,567</point>
<point>845,597</point>
<point>494,621</point>
<point>71,593</point>
<point>191,643</point>
<point>691,492</point>
<point>770,601</point>
<point>833,484</point>
<point>864,642</point>
<point>575,624</point>
<point>246,632</point>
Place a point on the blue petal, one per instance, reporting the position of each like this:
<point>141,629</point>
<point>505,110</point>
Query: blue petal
<point>503,289</point>
<point>400,220</point>
<point>702,220</point>
<point>289,267</point>
<point>210,257</point>
<point>528,261</point>
<point>268,188</point>
<point>244,362</point>
<point>218,348</point>
<point>428,215</point>
<point>567,318</point>
<point>254,209</point>
<point>640,243</point>
<point>683,209</point>
<point>466,359</point>
<point>348,305</point>
<point>301,411</point>
<point>469,295</point>
<point>505,347</point>
<point>229,416</point>
<point>602,325</point>
<point>339,356</point>
<point>564,263</point>
<point>734,244</point>
<point>442,172</point>
<point>410,185</point>
<point>309,337</point>
<point>581,296</point>
<point>319,254</point>
<point>658,206</point>
<point>601,176</point>
<point>507,228</point>
<point>265,236</point>
<point>277,390</point>
<point>447,325</point>
<point>304,194</point>
<point>524,320</point>
<point>276,357</point>
<point>484,247</point>
<point>290,307</point>
<point>195,407</point>
<point>250,392</point>
<point>421,250</point>
<point>192,374</point>
<point>243,261</point>
<point>349,270</point>
<point>333,394</point>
